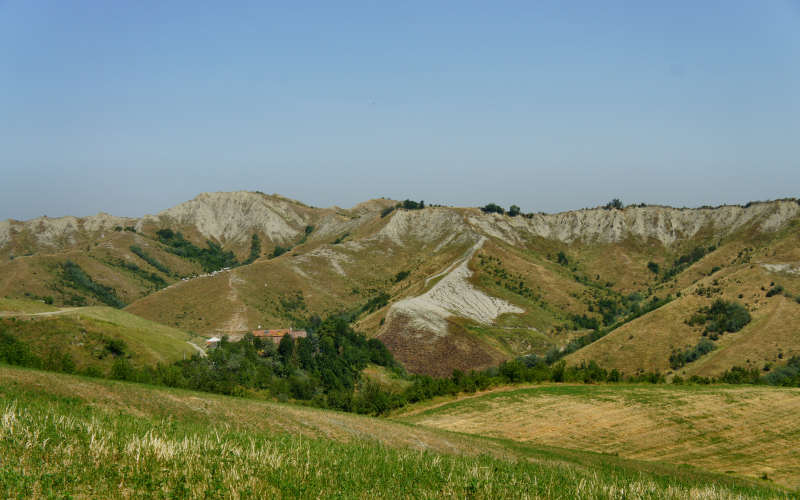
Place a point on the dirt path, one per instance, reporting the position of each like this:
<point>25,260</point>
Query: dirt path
<point>238,321</point>
<point>197,348</point>
<point>4,314</point>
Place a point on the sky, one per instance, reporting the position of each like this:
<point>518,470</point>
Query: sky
<point>132,107</point>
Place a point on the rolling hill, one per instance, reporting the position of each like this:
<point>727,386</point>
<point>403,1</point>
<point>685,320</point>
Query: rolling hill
<point>444,288</point>
<point>91,339</point>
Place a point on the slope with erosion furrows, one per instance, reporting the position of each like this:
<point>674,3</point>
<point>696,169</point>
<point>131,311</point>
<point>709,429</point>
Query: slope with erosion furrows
<point>773,334</point>
<point>109,262</point>
<point>314,278</point>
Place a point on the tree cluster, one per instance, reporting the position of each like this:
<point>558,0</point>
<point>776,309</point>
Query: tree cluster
<point>211,258</point>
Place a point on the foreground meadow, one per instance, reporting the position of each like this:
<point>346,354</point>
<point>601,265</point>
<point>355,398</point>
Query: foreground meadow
<point>63,436</point>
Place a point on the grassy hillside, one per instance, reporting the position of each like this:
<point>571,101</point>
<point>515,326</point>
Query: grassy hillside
<point>108,439</point>
<point>93,336</point>
<point>749,431</point>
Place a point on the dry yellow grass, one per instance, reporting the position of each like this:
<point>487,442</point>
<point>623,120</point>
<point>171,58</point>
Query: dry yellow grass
<point>745,430</point>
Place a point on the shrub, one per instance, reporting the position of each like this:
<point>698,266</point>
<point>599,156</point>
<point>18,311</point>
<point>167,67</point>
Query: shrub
<point>679,358</point>
<point>614,204</point>
<point>513,211</point>
<point>723,316</point>
<point>401,276</point>
<point>116,347</point>
<point>412,205</point>
<point>386,211</point>
<point>493,208</point>
<point>653,267</point>
<point>775,290</point>
<point>278,251</point>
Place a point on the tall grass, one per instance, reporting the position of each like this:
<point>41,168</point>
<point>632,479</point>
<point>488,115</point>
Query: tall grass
<point>55,446</point>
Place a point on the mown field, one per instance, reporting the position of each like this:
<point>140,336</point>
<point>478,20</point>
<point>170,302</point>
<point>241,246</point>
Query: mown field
<point>62,436</point>
<point>744,430</point>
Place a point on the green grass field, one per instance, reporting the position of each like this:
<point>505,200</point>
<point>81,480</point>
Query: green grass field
<point>68,436</point>
<point>84,333</point>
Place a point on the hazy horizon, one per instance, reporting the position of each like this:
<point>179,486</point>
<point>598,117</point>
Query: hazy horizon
<point>131,109</point>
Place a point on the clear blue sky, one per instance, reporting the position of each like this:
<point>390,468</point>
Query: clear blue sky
<point>132,107</point>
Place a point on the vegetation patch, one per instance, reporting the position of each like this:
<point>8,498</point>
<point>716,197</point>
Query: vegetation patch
<point>255,249</point>
<point>150,259</point>
<point>211,258</point>
<point>75,277</point>
<point>137,271</point>
<point>684,261</point>
<point>680,358</point>
<point>720,317</point>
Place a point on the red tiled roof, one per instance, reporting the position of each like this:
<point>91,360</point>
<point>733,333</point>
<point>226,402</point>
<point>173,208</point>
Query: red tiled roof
<point>280,333</point>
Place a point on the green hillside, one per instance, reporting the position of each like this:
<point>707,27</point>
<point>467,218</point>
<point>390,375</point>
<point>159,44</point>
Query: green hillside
<point>91,338</point>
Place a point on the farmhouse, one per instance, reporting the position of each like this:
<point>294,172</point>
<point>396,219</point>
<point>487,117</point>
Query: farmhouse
<point>277,335</point>
<point>212,342</point>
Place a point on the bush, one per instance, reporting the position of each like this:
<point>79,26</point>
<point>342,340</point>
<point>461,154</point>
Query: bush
<point>775,290</point>
<point>278,251</point>
<point>653,267</point>
<point>614,204</point>
<point>401,276</point>
<point>513,211</point>
<point>386,211</point>
<point>412,205</point>
<point>680,358</point>
<point>493,208</point>
<point>723,316</point>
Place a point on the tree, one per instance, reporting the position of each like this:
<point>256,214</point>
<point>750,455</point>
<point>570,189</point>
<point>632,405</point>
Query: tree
<point>513,211</point>
<point>615,204</point>
<point>653,267</point>
<point>493,208</point>
<point>286,349</point>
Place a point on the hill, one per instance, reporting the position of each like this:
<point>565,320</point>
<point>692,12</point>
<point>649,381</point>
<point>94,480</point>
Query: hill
<point>91,339</point>
<point>444,288</point>
<point>749,431</point>
<point>112,439</point>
